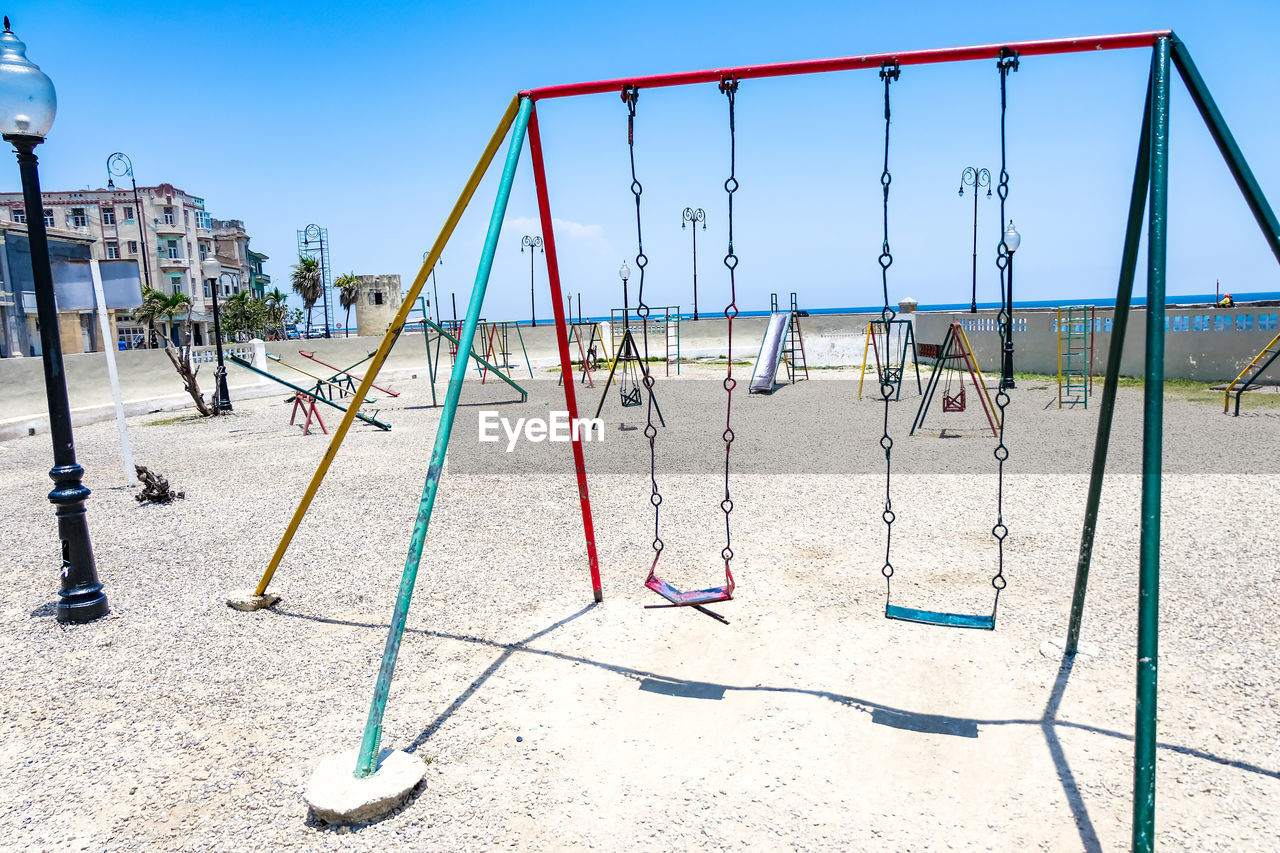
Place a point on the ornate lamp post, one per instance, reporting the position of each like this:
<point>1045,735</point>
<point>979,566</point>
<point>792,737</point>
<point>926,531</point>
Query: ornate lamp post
<point>435,293</point>
<point>315,234</point>
<point>694,215</point>
<point>1011,240</point>
<point>624,272</point>
<point>212,272</point>
<point>118,166</point>
<point>532,243</point>
<point>27,108</point>
<point>976,178</point>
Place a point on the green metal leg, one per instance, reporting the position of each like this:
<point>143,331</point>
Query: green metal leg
<point>373,728</point>
<point>1221,134</point>
<point>1144,759</point>
<point>426,337</point>
<point>525,351</point>
<point>1119,325</point>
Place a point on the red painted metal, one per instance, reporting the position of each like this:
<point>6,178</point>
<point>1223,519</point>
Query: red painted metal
<point>307,404</point>
<point>354,376</point>
<point>1123,41</point>
<point>562,343</point>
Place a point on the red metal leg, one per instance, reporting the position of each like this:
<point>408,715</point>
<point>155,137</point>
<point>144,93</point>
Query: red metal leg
<point>562,343</point>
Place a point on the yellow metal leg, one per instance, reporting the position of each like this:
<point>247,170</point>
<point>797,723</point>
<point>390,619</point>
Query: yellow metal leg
<point>982,382</point>
<point>393,331</point>
<point>866,343</point>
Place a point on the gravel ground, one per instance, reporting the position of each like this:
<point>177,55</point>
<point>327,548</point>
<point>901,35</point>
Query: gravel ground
<point>809,722</point>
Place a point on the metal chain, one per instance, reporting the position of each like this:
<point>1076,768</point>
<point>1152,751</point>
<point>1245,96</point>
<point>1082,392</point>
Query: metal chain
<point>729,86</point>
<point>888,73</point>
<point>1007,62</point>
<point>630,94</point>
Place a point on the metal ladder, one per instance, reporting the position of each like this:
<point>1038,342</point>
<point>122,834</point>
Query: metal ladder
<point>1075,351</point>
<point>1258,365</point>
<point>793,349</point>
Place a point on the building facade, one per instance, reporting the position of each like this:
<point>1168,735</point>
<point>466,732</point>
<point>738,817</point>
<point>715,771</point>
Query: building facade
<point>377,303</point>
<point>19,325</point>
<point>168,231</point>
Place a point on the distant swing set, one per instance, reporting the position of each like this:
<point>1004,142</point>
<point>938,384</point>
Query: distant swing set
<point>1149,192</point>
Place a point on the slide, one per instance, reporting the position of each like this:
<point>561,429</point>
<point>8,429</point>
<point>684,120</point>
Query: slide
<point>764,378</point>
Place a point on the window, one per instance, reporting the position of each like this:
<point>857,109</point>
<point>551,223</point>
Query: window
<point>133,247</point>
<point>108,216</point>
<point>377,297</point>
<point>1244,322</point>
<point>48,219</point>
<point>128,214</point>
<point>78,219</point>
<point>1181,323</point>
<point>186,216</point>
<point>1221,323</point>
<point>202,219</point>
<point>113,251</point>
<point>19,215</point>
<point>168,216</point>
<point>207,291</point>
<point>171,249</point>
<point>1266,322</point>
<point>204,251</point>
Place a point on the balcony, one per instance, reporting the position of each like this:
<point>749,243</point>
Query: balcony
<point>175,228</point>
<point>174,263</point>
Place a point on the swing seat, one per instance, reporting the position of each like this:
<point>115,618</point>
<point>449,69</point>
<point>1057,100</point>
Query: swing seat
<point>934,617</point>
<point>631,398</point>
<point>696,596</point>
<point>953,403</point>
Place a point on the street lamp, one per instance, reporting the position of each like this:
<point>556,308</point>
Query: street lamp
<point>624,272</point>
<point>1010,242</point>
<point>118,165</point>
<point>694,215</point>
<point>976,178</point>
<point>435,293</point>
<point>315,234</point>
<point>532,243</point>
<point>212,272</point>
<point>27,107</point>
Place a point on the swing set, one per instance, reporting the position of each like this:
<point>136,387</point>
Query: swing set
<point>1150,189</point>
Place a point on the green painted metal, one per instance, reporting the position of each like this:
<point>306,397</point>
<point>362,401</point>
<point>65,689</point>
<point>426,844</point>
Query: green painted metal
<point>431,362</point>
<point>367,762</point>
<point>1221,134</point>
<point>1144,738</point>
<point>310,392</point>
<point>935,617</point>
<point>527,363</point>
<point>1119,325</point>
<point>524,395</point>
<point>1075,329</point>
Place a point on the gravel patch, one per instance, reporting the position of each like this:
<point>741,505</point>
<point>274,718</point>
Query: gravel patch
<point>810,722</point>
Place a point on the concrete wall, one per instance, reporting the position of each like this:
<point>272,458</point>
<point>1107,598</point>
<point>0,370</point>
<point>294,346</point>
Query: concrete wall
<point>372,317</point>
<point>150,384</point>
<point>1203,344</point>
<point>1208,345</point>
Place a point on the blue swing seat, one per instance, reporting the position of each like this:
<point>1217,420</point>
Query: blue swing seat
<point>934,617</point>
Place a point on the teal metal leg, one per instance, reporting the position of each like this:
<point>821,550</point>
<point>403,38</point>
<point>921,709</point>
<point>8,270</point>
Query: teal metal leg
<point>1144,739</point>
<point>1119,325</point>
<point>1221,134</point>
<point>373,728</point>
<point>426,337</point>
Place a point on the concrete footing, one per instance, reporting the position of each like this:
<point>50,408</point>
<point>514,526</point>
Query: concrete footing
<point>248,600</point>
<point>337,796</point>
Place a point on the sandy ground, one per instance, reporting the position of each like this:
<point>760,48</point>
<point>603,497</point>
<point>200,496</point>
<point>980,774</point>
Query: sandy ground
<point>809,722</point>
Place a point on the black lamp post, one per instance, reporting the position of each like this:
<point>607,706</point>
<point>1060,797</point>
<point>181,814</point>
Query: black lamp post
<point>976,178</point>
<point>27,108</point>
<point>624,272</point>
<point>694,215</point>
<point>1010,242</point>
<point>435,293</point>
<point>212,271</point>
<point>119,165</point>
<point>532,243</point>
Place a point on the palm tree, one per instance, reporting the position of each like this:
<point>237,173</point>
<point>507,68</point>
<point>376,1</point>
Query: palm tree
<point>276,308</point>
<point>308,283</point>
<point>151,310</point>
<point>348,292</point>
<point>173,305</point>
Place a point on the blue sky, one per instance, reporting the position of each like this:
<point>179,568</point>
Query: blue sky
<point>367,119</point>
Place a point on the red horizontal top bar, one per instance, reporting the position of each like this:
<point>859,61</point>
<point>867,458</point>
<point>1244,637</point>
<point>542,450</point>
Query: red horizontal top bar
<point>847,63</point>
